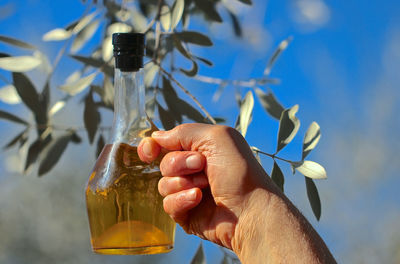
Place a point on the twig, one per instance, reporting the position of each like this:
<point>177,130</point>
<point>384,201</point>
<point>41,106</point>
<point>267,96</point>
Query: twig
<point>186,92</point>
<point>271,155</point>
<point>246,83</point>
<point>64,128</point>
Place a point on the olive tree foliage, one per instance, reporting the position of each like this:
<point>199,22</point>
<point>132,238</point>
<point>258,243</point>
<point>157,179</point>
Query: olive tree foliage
<point>166,24</point>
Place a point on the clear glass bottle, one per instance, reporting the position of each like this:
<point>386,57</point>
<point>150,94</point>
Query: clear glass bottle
<point>125,210</point>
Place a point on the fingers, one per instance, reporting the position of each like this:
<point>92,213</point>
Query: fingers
<point>181,137</point>
<point>171,185</point>
<point>148,149</point>
<point>182,163</point>
<point>178,204</point>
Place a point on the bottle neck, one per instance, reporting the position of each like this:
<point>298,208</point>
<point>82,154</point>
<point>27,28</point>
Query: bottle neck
<point>130,120</point>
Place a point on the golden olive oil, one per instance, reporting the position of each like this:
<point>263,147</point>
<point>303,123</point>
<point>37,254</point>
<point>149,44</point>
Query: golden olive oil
<point>125,209</point>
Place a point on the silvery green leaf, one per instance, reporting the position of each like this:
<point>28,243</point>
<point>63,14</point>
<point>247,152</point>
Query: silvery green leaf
<point>177,11</point>
<point>9,95</point>
<point>139,21</point>
<point>73,77</point>
<point>150,71</point>
<point>277,176</point>
<point>108,95</point>
<point>247,2</point>
<point>96,63</point>
<point>167,120</point>
<point>270,103</point>
<point>118,27</point>
<point>27,92</point>
<point>57,34</point>
<point>236,24</point>
<point>209,10</point>
<point>21,137</point>
<point>313,197</point>
<point>165,18</point>
<point>107,48</point>
<point>19,63</point>
<point>16,42</point>
<point>246,110</point>
<point>288,126</point>
<point>11,117</point>
<point>91,117</point>
<point>199,257</point>
<point>219,91</point>
<point>83,23</point>
<point>79,85</point>
<point>281,47</point>
<point>310,169</point>
<point>57,107</point>
<point>53,153</point>
<point>194,38</point>
<point>192,72</point>
<point>311,139</point>
<point>84,35</point>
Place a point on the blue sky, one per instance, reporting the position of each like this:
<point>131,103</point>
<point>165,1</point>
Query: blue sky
<point>342,68</point>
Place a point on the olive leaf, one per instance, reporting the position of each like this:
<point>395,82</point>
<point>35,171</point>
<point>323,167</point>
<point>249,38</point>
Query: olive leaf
<point>11,117</point>
<point>192,72</point>
<point>311,139</point>
<point>247,2</point>
<point>78,85</point>
<point>165,18</point>
<point>34,150</point>
<point>236,24</point>
<point>150,72</point>
<point>246,110</point>
<point>288,126</point>
<point>277,176</point>
<point>177,11</point>
<point>209,10</point>
<point>194,38</point>
<point>310,169</point>
<point>53,153</point>
<point>21,137</point>
<point>82,23</point>
<point>171,99</point>
<point>281,47</point>
<point>57,34</point>
<point>190,112</point>
<point>100,145</point>
<point>96,63</point>
<point>16,42</point>
<point>199,256</point>
<point>9,95</point>
<point>313,197</point>
<point>56,107</point>
<point>167,120</point>
<point>27,92</point>
<point>91,117</point>
<point>84,35</point>
<point>19,63</point>
<point>270,103</point>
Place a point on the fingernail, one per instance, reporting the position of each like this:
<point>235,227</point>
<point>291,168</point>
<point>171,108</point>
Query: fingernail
<point>146,148</point>
<point>157,133</point>
<point>191,194</point>
<point>193,162</point>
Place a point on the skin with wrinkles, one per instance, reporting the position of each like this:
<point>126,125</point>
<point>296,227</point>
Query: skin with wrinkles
<point>216,189</point>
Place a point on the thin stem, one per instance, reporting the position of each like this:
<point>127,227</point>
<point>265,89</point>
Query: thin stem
<point>244,83</point>
<point>187,92</point>
<point>64,128</point>
<point>271,155</point>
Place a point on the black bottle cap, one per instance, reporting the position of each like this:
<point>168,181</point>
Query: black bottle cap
<point>128,51</point>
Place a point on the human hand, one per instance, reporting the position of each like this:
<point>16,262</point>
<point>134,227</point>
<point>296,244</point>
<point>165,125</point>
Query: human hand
<point>208,177</point>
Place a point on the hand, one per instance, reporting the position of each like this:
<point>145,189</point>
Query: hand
<point>216,189</point>
<point>215,159</point>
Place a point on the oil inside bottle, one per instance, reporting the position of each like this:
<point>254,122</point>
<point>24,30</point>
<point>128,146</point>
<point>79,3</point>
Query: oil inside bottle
<point>125,209</point>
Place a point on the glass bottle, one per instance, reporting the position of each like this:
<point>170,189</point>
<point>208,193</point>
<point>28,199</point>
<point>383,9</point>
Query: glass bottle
<point>125,210</point>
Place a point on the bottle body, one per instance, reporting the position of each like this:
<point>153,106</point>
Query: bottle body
<point>125,210</point>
